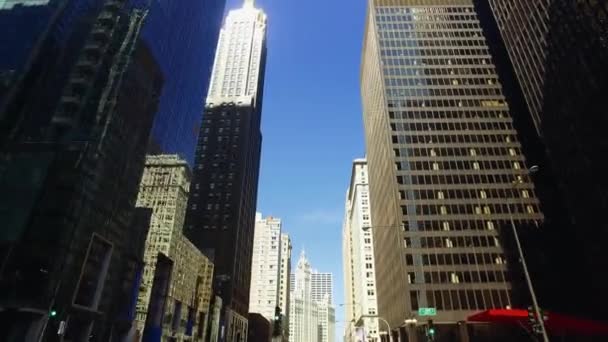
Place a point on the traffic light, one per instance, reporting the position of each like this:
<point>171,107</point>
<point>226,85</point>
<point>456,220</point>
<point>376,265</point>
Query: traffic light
<point>430,330</point>
<point>52,313</point>
<point>277,324</point>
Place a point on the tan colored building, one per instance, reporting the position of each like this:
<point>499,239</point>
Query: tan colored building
<point>177,276</point>
<point>446,170</point>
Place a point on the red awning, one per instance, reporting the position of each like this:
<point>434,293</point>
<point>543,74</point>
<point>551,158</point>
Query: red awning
<point>556,324</point>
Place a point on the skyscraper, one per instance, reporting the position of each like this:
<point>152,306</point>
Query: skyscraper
<point>446,170</point>
<point>309,320</point>
<point>221,210</point>
<point>265,267</point>
<point>358,256</point>
<point>284,285</point>
<point>558,51</point>
<point>74,154</point>
<point>322,284</point>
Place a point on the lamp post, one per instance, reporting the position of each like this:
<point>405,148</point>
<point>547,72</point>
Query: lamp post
<point>537,312</point>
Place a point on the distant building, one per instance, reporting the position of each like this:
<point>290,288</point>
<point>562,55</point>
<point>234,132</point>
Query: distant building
<point>284,285</point>
<point>322,284</point>
<point>309,320</point>
<point>220,218</point>
<point>359,264</point>
<point>187,293</point>
<point>266,267</point>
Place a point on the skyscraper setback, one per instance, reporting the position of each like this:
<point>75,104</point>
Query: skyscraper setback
<point>446,169</point>
<point>221,209</point>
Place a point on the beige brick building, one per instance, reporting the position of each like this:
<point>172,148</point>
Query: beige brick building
<point>177,276</point>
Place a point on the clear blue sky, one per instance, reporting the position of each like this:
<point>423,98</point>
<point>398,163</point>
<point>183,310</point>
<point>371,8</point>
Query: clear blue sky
<point>312,124</point>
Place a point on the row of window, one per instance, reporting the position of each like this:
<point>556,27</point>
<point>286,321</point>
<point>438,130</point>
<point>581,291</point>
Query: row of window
<point>417,10</point>
<point>454,115</point>
<point>497,150</point>
<point>489,165</point>
<point>467,277</point>
<point>449,259</point>
<point>437,51</point>
<point>460,225</point>
<point>451,241</point>
<point>452,179</point>
<point>442,25</point>
<point>439,16</point>
<point>464,34</point>
<point>459,194</point>
<point>435,137</point>
<point>461,299</point>
<point>408,125</point>
<point>468,209</point>
<point>422,43</point>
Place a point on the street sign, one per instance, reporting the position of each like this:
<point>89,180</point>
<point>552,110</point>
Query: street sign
<point>427,312</point>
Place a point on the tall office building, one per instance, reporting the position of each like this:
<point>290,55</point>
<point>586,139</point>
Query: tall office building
<point>358,256</point>
<point>177,277</point>
<point>310,320</point>
<point>73,153</point>
<point>446,172</point>
<point>558,51</point>
<point>322,284</point>
<point>221,211</point>
<point>265,266</point>
<point>284,283</point>
<point>193,29</point>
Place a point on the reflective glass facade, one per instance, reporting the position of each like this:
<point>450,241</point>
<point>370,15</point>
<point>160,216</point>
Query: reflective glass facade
<point>445,164</point>
<point>559,53</point>
<point>183,38</point>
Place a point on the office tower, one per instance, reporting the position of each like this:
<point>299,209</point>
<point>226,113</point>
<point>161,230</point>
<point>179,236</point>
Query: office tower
<point>284,285</point>
<point>79,119</point>
<point>221,211</point>
<point>182,37</point>
<point>185,285</point>
<point>446,173</point>
<point>326,321</point>
<point>559,55</point>
<point>322,284</point>
<point>358,256</point>
<point>265,266</point>
<point>309,320</point>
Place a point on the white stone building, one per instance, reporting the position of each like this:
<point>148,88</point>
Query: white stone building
<point>358,258</point>
<point>266,266</point>
<point>310,320</point>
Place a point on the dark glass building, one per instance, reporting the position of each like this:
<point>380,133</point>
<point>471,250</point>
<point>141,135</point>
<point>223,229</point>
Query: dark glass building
<point>182,37</point>
<point>447,172</point>
<point>78,119</point>
<point>221,209</point>
<point>558,52</point>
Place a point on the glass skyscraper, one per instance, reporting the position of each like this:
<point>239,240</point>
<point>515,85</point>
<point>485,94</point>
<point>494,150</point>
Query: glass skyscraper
<point>558,50</point>
<point>182,36</point>
<point>446,168</point>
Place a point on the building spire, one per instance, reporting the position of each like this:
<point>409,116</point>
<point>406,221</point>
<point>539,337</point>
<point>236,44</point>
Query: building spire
<point>248,3</point>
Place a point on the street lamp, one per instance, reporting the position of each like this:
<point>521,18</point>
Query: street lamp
<point>541,321</point>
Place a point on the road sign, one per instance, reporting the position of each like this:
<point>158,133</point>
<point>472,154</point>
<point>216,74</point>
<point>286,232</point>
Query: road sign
<point>427,312</point>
